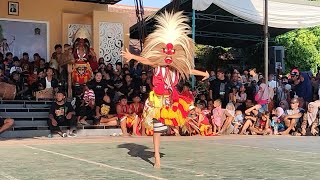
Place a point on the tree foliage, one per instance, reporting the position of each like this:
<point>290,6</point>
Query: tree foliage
<point>302,48</point>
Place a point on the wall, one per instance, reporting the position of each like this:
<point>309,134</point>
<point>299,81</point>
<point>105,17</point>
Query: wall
<point>99,16</point>
<point>50,11</point>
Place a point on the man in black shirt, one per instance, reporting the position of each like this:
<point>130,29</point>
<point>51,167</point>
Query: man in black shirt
<point>62,114</point>
<point>220,88</point>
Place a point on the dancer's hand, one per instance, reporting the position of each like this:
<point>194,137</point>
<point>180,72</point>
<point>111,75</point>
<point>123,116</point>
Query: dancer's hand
<point>207,75</point>
<point>127,55</point>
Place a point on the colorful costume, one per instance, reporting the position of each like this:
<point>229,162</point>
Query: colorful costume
<point>84,63</point>
<point>171,51</point>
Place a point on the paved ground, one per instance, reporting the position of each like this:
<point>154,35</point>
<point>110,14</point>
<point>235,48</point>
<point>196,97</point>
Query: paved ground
<point>226,157</point>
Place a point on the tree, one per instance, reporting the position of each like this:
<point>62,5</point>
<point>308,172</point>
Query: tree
<point>302,48</point>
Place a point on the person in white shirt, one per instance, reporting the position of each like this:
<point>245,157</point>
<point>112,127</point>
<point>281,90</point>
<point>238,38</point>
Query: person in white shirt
<point>16,67</point>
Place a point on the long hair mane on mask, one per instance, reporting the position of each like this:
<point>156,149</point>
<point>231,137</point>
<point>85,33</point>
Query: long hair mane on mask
<point>169,45</point>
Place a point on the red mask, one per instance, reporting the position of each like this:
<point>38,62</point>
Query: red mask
<point>169,51</point>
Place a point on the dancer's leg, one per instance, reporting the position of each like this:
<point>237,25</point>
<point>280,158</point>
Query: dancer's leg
<point>156,144</point>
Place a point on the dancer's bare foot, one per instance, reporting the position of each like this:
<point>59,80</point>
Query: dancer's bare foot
<point>156,161</point>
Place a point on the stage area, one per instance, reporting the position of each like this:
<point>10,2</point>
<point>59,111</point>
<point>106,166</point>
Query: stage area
<point>225,157</point>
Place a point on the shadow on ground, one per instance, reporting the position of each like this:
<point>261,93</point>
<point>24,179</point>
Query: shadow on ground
<point>141,151</point>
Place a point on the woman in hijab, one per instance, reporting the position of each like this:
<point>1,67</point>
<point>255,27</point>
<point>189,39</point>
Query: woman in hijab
<point>262,96</point>
<point>310,121</point>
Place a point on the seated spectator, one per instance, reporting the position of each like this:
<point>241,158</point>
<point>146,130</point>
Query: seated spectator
<point>186,92</point>
<point>3,77</point>
<point>124,113</point>
<point>62,114</point>
<point>233,95</point>
<point>202,99</point>
<point>261,125</point>
<point>8,63</point>
<point>198,122</point>
<point>292,117</point>
<point>251,116</point>
<point>128,87</point>
<point>137,109</point>
<point>108,117</point>
<point>5,124</point>
<point>217,114</point>
<point>87,106</point>
<point>16,66</point>
<point>237,122</point>
<point>99,86</point>
<point>310,121</point>
<point>229,117</point>
<point>49,81</point>
<point>277,120</point>
<point>21,87</point>
<point>284,105</point>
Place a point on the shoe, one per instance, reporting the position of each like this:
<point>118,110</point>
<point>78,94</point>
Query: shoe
<point>72,135</point>
<point>64,135</point>
<point>50,136</point>
<point>84,122</point>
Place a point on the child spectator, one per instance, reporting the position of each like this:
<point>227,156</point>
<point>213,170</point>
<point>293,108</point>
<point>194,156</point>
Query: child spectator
<point>202,99</point>
<point>217,113</point>
<point>137,108</point>
<point>277,120</point>
<point>233,95</point>
<point>238,122</point>
<point>199,122</point>
<point>124,113</point>
<point>262,125</point>
<point>241,97</point>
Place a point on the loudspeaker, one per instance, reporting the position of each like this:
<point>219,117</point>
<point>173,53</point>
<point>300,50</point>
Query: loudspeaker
<point>276,59</point>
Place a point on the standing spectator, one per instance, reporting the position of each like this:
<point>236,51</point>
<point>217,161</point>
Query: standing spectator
<point>254,75</point>
<point>301,86</point>
<point>235,80</point>
<point>57,55</point>
<point>62,114</point>
<point>36,61</point>
<point>8,63</point>
<point>219,88</point>
<point>262,96</point>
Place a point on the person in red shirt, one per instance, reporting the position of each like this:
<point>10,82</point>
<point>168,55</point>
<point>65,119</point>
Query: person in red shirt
<point>186,91</point>
<point>137,108</point>
<point>124,113</point>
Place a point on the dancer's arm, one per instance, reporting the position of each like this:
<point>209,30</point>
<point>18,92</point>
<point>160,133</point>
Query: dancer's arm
<point>127,55</point>
<point>200,73</point>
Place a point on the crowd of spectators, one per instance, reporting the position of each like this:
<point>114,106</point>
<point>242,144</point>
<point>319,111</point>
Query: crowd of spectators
<point>229,102</point>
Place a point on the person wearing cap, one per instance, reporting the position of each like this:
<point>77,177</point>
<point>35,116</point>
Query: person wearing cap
<point>220,88</point>
<point>292,117</point>
<point>301,85</point>
<point>62,114</point>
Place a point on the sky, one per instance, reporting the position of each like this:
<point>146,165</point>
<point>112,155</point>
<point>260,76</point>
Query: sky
<point>147,3</point>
